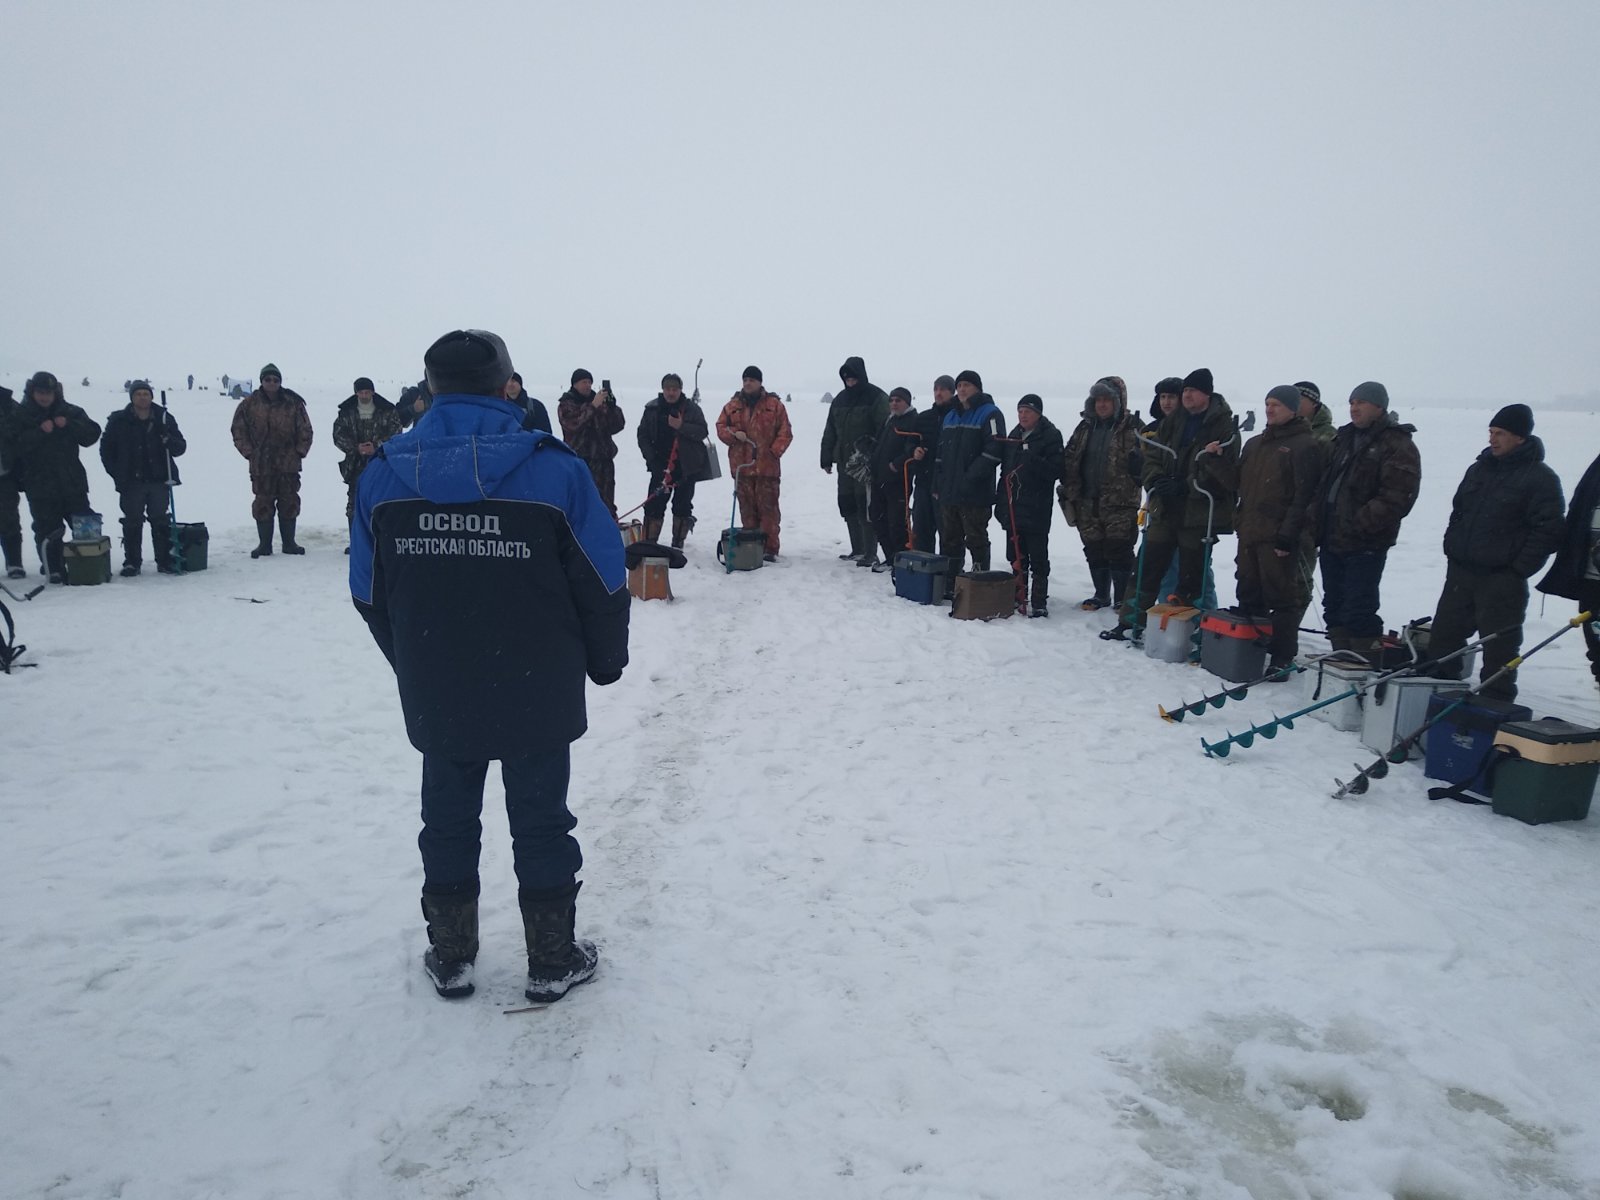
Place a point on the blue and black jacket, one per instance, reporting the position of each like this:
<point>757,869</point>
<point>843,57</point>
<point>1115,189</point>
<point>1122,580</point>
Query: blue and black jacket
<point>970,449</point>
<point>491,575</point>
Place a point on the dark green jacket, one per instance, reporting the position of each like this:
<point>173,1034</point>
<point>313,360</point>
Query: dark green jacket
<point>1217,473</point>
<point>856,412</point>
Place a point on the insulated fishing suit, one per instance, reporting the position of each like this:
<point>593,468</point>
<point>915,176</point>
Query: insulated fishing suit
<point>51,474</point>
<point>1100,486</point>
<point>134,453</point>
<point>754,464</point>
<point>591,430</point>
<point>856,416</point>
<point>351,428</point>
<point>1024,502</point>
<point>970,449</point>
<point>273,434</point>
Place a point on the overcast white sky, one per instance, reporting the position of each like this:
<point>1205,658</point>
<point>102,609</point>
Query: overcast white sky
<point>1043,192</point>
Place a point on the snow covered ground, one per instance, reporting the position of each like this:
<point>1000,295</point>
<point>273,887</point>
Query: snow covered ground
<point>889,905</point>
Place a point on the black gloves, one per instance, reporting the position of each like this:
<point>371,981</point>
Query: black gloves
<point>1166,488</point>
<point>604,679</point>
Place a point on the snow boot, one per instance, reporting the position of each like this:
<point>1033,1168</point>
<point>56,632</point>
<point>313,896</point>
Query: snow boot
<point>557,961</point>
<point>682,527</point>
<point>130,569</point>
<point>452,941</point>
<point>264,533</point>
<point>652,529</point>
<point>11,547</point>
<point>1102,590</point>
<point>55,558</point>
<point>1040,596</point>
<point>286,528</point>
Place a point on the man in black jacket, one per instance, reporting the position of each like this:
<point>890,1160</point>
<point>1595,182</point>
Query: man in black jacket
<point>1575,572</point>
<point>925,503</point>
<point>491,575</point>
<point>10,496</point>
<point>137,452</point>
<point>45,434</point>
<point>970,450</point>
<point>534,414</point>
<point>1506,519</point>
<point>1025,497</point>
<point>672,437</point>
<point>855,417</point>
<point>892,470</point>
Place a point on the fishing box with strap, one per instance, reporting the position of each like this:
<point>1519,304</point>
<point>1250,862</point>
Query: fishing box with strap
<point>1544,770</point>
<point>1234,647</point>
<point>648,564</point>
<point>742,549</point>
<point>88,561</point>
<point>984,595</point>
<point>1458,747</point>
<point>194,544</point>
<point>922,577</point>
<point>1397,708</point>
<point>1169,632</point>
<point>1329,677</point>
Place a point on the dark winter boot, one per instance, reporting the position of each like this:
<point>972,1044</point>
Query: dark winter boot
<point>55,558</point>
<point>264,532</point>
<point>11,547</point>
<point>855,541</point>
<point>681,528</point>
<point>1338,638</point>
<point>557,961</point>
<point>452,941</point>
<point>1102,590</point>
<point>1039,605</point>
<point>1119,587</point>
<point>132,547</point>
<point>161,547</point>
<point>652,529</point>
<point>869,544</point>
<point>1285,643</point>
<point>286,528</point>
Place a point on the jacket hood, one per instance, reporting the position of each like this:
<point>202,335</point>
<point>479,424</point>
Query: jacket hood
<point>1116,413</point>
<point>854,368</point>
<point>462,449</point>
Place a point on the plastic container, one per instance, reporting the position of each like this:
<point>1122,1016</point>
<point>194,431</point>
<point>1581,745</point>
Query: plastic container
<point>1544,770</point>
<point>1397,708</point>
<point>86,526</point>
<point>88,561</point>
<point>1326,679</point>
<point>195,543</point>
<point>984,596</point>
<point>1458,747</point>
<point>742,549</point>
<point>921,577</point>
<point>1234,647</point>
<point>1169,633</point>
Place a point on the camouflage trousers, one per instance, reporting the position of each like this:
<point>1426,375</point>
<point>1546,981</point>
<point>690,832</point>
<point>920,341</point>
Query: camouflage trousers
<point>758,507</point>
<point>1102,522</point>
<point>605,480</point>
<point>280,490</point>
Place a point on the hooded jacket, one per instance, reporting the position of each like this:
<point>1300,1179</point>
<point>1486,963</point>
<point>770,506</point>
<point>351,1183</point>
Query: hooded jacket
<point>970,449</point>
<point>1507,512</point>
<point>856,412</point>
<point>491,576</point>
<point>1119,473</point>
<point>1369,485</point>
<point>46,465</point>
<point>135,452</point>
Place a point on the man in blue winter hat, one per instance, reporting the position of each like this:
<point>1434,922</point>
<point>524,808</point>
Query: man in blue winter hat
<point>491,575</point>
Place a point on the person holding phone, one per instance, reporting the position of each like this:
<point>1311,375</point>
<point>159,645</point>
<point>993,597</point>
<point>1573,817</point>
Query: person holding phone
<point>590,422</point>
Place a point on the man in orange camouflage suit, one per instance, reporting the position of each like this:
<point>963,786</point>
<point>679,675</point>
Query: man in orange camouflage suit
<point>754,425</point>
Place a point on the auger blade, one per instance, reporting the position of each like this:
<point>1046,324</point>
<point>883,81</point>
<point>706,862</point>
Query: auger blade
<point>1356,787</point>
<point>1217,749</point>
<point>1230,694</point>
<point>1377,769</point>
<point>1173,717</point>
<point>1268,731</point>
<point>1245,739</point>
<point>1286,722</point>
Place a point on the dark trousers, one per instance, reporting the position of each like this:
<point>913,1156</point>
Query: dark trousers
<point>681,495</point>
<point>924,515</point>
<point>1034,547</point>
<point>1589,602</point>
<point>143,502</point>
<point>886,509</point>
<point>50,511</point>
<point>1160,547</point>
<point>10,520</point>
<point>1350,592</point>
<point>544,852</point>
<point>1482,602</point>
<point>966,527</point>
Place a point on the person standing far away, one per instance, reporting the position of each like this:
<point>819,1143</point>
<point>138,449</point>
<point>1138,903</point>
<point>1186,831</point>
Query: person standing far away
<point>855,418</point>
<point>590,421</point>
<point>491,576</point>
<point>137,451</point>
<point>272,432</point>
<point>754,425</point>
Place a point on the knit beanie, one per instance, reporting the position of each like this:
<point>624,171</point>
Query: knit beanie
<point>945,382</point>
<point>1371,393</point>
<point>580,373</point>
<point>470,362</point>
<point>1309,391</point>
<point>971,377</point>
<point>362,384</point>
<point>901,393</point>
<point>1033,402</point>
<point>140,384</point>
<point>753,372</point>
<point>270,370</point>
<point>1286,394</point>
<point>1514,418</point>
<point>1200,380</point>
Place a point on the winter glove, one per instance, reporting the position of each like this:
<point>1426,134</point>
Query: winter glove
<point>604,678</point>
<point>1166,488</point>
<point>1283,545</point>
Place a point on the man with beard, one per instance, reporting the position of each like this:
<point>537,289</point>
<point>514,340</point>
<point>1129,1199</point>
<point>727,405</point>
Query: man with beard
<point>272,432</point>
<point>590,421</point>
<point>363,423</point>
<point>854,419</point>
<point>672,437</point>
<point>754,426</point>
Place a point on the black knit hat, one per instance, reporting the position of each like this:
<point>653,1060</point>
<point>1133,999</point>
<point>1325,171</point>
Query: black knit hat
<point>1033,402</point>
<point>580,373</point>
<point>1309,391</point>
<point>1200,380</point>
<point>517,377</point>
<point>136,384</point>
<point>362,384</point>
<point>1170,386</point>
<point>901,393</point>
<point>753,372</point>
<point>945,382</point>
<point>1514,418</point>
<point>971,377</point>
<point>472,362</point>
